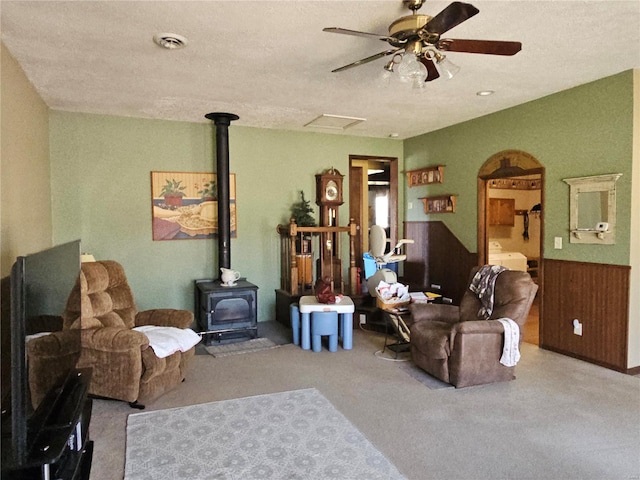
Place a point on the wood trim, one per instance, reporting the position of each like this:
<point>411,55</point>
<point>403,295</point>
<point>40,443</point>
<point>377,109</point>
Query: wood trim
<point>355,209</point>
<point>634,371</point>
<point>393,198</point>
<point>598,296</point>
<point>393,201</point>
<point>482,221</point>
<point>437,257</point>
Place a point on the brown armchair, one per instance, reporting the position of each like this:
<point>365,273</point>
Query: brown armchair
<point>124,366</point>
<point>453,344</point>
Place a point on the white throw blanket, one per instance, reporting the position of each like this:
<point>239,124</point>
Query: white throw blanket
<point>168,340</point>
<point>510,352</point>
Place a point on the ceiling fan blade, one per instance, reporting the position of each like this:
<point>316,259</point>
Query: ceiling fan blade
<point>367,60</point>
<point>454,14</point>
<point>355,33</point>
<point>431,69</point>
<point>490,47</point>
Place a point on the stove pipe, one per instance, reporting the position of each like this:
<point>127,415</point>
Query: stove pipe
<point>222,121</point>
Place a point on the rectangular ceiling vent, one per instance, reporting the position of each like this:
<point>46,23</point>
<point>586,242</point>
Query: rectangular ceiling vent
<point>334,122</point>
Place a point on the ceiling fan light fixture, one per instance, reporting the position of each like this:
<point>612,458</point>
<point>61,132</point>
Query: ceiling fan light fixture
<point>389,69</point>
<point>410,69</point>
<point>445,66</point>
<point>395,60</point>
<point>448,68</point>
<point>418,85</point>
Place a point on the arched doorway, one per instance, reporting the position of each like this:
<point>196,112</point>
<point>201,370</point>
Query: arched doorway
<point>511,219</point>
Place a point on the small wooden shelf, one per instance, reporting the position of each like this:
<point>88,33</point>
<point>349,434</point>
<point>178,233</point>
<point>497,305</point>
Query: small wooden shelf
<point>426,176</point>
<point>439,204</point>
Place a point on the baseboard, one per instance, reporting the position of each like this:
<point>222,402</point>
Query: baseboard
<point>634,370</point>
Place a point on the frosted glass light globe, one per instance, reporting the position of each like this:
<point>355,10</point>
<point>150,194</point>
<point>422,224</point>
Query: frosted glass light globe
<point>411,69</point>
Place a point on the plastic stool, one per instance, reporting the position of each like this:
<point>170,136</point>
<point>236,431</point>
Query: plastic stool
<point>324,323</point>
<point>294,313</point>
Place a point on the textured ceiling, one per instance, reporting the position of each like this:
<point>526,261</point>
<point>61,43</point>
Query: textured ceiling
<point>270,62</point>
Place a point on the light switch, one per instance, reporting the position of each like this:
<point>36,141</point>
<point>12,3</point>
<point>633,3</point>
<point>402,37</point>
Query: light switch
<point>557,243</point>
<point>409,205</point>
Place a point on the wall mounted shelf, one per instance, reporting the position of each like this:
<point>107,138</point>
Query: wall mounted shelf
<point>439,204</point>
<point>425,176</point>
<point>515,183</point>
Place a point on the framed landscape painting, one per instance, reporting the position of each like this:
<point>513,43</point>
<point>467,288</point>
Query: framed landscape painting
<point>185,205</point>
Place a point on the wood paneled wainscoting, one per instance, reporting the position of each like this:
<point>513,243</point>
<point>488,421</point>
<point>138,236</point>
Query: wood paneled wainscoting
<point>598,296</point>
<point>437,257</point>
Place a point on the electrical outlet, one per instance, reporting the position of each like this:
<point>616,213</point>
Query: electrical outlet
<point>410,206</point>
<point>363,319</point>
<point>557,243</point>
<point>577,327</point>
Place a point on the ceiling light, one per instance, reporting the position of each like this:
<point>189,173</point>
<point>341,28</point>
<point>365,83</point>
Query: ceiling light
<point>389,68</point>
<point>170,41</point>
<point>412,65</point>
<point>411,70</point>
<point>444,65</point>
<point>485,93</point>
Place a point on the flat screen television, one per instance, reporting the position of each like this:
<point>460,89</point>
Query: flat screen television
<point>38,290</point>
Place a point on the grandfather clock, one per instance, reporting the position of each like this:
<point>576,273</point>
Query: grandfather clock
<point>329,199</point>
<point>329,196</point>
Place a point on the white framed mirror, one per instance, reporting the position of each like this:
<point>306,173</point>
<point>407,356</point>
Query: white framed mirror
<point>592,209</point>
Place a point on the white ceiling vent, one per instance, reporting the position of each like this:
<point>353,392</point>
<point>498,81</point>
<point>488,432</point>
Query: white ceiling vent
<point>171,41</point>
<point>335,122</point>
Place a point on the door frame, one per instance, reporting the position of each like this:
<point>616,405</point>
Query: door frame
<point>507,164</point>
<point>356,188</point>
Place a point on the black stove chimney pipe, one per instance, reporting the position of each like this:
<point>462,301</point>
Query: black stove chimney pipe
<point>222,121</point>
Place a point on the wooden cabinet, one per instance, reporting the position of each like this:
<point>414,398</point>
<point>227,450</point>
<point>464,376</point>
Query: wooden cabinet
<point>425,176</point>
<point>439,204</point>
<point>502,211</point>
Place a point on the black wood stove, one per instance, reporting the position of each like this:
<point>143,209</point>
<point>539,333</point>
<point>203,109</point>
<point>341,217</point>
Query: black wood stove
<point>221,310</point>
<point>227,311</point>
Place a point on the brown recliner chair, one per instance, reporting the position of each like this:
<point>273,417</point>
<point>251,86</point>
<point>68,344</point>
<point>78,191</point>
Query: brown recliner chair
<point>453,344</point>
<point>124,366</point>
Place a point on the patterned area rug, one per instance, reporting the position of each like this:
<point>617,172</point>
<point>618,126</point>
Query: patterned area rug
<point>289,435</point>
<point>253,345</point>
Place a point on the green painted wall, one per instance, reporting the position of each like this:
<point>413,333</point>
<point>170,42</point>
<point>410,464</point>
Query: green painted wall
<point>24,158</point>
<point>587,130</point>
<point>101,193</point>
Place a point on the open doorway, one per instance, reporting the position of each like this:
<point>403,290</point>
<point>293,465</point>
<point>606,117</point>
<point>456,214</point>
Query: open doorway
<point>373,199</point>
<point>510,221</point>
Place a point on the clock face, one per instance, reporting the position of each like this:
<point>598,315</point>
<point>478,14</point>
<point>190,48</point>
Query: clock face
<point>331,191</point>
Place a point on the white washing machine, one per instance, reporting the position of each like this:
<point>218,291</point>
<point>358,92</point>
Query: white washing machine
<point>511,260</point>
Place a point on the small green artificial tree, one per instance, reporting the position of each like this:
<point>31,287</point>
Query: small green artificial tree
<point>301,212</point>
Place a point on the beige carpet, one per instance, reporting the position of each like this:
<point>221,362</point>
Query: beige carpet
<point>561,418</point>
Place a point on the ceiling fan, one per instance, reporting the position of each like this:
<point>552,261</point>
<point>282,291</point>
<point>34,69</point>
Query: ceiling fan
<point>417,43</point>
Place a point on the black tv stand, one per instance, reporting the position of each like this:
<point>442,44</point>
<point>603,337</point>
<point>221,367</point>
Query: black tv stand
<point>59,445</point>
